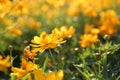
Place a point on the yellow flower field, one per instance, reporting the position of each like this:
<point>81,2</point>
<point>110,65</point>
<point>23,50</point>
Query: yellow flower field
<point>59,40</point>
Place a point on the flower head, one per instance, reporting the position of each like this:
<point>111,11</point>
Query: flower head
<point>4,63</point>
<point>39,75</point>
<point>26,67</point>
<point>29,54</point>
<point>88,39</point>
<point>45,41</point>
<point>64,31</point>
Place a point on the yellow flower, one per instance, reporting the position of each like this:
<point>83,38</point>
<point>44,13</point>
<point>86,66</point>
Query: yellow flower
<point>26,67</point>
<point>19,73</point>
<point>3,2</point>
<point>109,21</point>
<point>72,11</point>
<point>89,12</point>
<point>29,54</point>
<point>45,8</point>
<point>4,63</point>
<point>59,75</point>
<point>64,31</point>
<point>15,31</point>
<point>109,18</point>
<point>21,8</point>
<point>39,75</point>
<point>45,41</point>
<point>34,24</point>
<point>67,32</point>
<point>88,39</point>
<point>89,29</point>
<point>107,29</point>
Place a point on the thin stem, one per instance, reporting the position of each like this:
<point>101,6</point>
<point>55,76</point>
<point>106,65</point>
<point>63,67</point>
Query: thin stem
<point>2,53</point>
<point>81,72</point>
<point>51,55</point>
<point>11,58</point>
<point>45,63</point>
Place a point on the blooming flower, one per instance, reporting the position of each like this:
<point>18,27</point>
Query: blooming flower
<point>107,29</point>
<point>26,67</point>
<point>15,31</point>
<point>4,63</point>
<point>67,32</point>
<point>109,18</point>
<point>88,39</point>
<point>72,11</point>
<point>21,8</point>
<point>89,29</point>
<point>19,73</point>
<point>64,31</point>
<point>39,75</point>
<point>90,12</point>
<point>28,53</point>
<point>45,41</point>
<point>109,22</point>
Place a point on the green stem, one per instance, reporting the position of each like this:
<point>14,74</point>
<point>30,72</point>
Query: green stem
<point>84,74</point>
<point>45,64</point>
<point>51,55</point>
<point>11,58</point>
<point>2,53</point>
<point>105,74</point>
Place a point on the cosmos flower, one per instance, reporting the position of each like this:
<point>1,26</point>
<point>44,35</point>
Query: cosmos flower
<point>109,17</point>
<point>109,21</point>
<point>88,39</point>
<point>28,53</point>
<point>45,41</point>
<point>39,75</point>
<point>64,32</point>
<point>89,29</point>
<point>26,67</point>
<point>4,63</point>
<point>19,73</point>
<point>107,30</point>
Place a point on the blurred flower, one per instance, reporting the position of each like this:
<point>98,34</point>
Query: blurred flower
<point>109,17</point>
<point>4,63</point>
<point>45,41</point>
<point>49,15</point>
<point>89,29</point>
<point>19,73</point>
<point>109,21</point>
<point>75,6</point>
<point>15,31</point>
<point>90,12</point>
<point>3,2</point>
<point>20,8</point>
<point>107,30</point>
<point>34,24</point>
<point>64,31</point>
<point>26,67</point>
<point>67,32</point>
<point>39,75</point>
<point>72,11</point>
<point>88,39</point>
<point>45,8</point>
<point>29,54</point>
